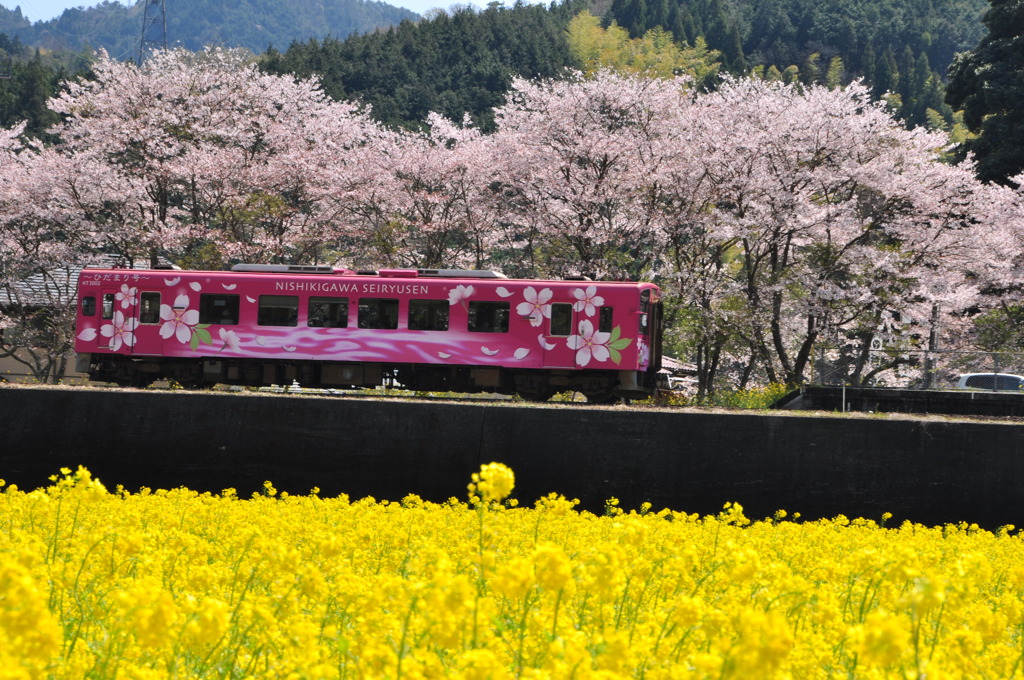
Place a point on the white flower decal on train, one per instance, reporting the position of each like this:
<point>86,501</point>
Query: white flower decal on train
<point>502,291</point>
<point>597,345</point>
<point>172,282</point>
<point>183,323</point>
<point>121,331</point>
<point>229,286</point>
<point>544,342</point>
<point>536,307</point>
<point>196,286</point>
<point>230,340</point>
<point>489,352</point>
<point>127,296</point>
<point>459,294</point>
<point>587,300</point>
<point>87,334</point>
<point>444,355</point>
<point>521,353</point>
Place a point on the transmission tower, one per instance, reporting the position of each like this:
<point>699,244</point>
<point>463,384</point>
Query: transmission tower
<point>154,29</point>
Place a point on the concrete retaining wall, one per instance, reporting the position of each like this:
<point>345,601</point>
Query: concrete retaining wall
<point>928,471</point>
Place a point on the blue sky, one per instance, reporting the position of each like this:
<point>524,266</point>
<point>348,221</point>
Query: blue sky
<point>41,10</point>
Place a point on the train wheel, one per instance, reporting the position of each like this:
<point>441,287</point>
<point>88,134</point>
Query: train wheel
<point>190,377</point>
<point>601,397</point>
<point>536,395</point>
<point>533,387</point>
<point>139,381</point>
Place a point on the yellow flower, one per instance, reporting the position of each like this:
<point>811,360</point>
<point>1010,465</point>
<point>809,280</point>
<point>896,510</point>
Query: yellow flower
<point>30,637</point>
<point>552,566</point>
<point>481,664</point>
<point>149,612</point>
<point>882,639</point>
<point>514,579</point>
<point>209,623</point>
<point>494,482</point>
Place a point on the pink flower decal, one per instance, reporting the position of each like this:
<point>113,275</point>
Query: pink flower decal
<point>178,320</point>
<point>589,344</point>
<point>126,296</point>
<point>536,307</point>
<point>587,300</point>
<point>121,331</point>
<point>597,345</point>
<point>459,294</point>
<point>230,340</point>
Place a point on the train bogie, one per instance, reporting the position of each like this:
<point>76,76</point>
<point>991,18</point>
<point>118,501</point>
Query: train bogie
<point>428,330</point>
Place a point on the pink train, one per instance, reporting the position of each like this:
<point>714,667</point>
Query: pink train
<point>429,330</point>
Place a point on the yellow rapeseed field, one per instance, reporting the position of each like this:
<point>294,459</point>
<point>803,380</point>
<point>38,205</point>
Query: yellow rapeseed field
<point>165,584</point>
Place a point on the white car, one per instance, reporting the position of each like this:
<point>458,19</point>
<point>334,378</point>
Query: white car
<point>999,382</point>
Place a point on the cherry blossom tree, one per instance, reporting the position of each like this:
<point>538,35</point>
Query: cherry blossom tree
<point>37,243</point>
<point>427,211</point>
<point>829,216</point>
<point>214,150</point>
<point>572,159</point>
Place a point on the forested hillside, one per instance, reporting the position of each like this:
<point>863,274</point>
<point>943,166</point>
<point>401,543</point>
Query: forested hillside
<point>463,61</point>
<point>456,62</point>
<point>194,24</point>
<point>902,46</point>
<point>28,79</point>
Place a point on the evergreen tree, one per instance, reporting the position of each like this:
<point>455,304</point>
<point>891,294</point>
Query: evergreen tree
<point>986,83</point>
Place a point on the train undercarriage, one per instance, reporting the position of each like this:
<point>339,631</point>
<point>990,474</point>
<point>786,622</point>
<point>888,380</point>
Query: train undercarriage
<point>533,385</point>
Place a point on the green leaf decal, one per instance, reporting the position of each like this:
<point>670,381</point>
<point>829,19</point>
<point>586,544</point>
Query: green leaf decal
<point>621,343</point>
<point>616,332</point>
<point>193,341</point>
<point>203,334</point>
<point>616,357</point>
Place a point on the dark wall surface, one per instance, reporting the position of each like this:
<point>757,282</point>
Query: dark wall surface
<point>927,471</point>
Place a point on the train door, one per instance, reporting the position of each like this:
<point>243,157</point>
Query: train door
<point>557,331</point>
<point>116,325</point>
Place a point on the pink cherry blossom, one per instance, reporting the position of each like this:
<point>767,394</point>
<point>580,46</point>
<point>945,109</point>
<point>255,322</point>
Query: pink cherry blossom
<point>178,320</point>
<point>120,331</point>
<point>587,300</point>
<point>590,344</point>
<point>536,306</point>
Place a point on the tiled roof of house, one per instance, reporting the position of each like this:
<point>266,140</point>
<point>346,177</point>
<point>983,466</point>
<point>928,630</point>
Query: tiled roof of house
<point>55,286</point>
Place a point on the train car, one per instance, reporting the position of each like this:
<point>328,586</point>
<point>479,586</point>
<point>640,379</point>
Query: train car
<point>426,330</point>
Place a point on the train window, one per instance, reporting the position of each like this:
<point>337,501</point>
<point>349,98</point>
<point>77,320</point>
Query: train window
<point>89,306</point>
<point>561,319</point>
<point>378,313</point>
<point>604,323</point>
<point>149,308</point>
<point>428,315</point>
<point>278,310</point>
<point>328,312</point>
<point>645,308</point>
<point>218,308</point>
<point>488,317</point>
<point>108,306</point>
